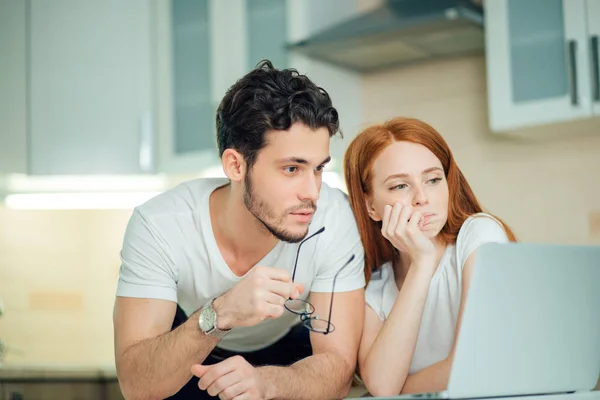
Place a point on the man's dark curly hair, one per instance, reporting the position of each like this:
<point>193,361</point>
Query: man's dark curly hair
<point>266,99</point>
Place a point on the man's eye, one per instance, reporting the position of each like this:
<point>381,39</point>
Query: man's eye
<point>291,170</point>
<point>320,168</point>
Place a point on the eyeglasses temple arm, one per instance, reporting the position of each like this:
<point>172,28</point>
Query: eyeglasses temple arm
<point>333,291</point>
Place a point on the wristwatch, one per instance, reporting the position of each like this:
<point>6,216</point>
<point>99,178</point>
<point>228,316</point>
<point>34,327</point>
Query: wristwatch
<point>208,321</point>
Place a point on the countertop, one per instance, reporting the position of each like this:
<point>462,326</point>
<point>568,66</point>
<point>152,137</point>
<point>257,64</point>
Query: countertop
<point>10,372</point>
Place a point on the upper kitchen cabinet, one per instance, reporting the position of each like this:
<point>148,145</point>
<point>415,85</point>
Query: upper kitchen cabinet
<point>593,23</point>
<point>202,48</point>
<point>185,79</point>
<point>539,57</point>
<point>90,87</point>
<point>267,32</point>
<point>13,87</point>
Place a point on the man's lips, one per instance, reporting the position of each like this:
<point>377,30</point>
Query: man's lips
<point>307,212</point>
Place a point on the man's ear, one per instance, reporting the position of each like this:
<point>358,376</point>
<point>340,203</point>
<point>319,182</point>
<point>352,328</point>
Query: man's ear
<point>234,165</point>
<point>371,210</point>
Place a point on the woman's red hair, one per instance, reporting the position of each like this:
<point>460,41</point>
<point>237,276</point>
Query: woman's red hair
<point>358,161</point>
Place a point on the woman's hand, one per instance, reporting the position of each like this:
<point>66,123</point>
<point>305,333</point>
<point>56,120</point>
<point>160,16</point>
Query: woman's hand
<point>401,225</point>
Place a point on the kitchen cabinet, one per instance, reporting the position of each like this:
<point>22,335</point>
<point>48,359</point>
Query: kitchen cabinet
<point>539,61</point>
<point>46,383</point>
<point>193,38</point>
<point>64,389</point>
<point>203,47</point>
<point>128,88</point>
<point>267,32</point>
<point>13,81</point>
<point>77,89</point>
<point>90,87</point>
<point>52,391</point>
<point>593,23</point>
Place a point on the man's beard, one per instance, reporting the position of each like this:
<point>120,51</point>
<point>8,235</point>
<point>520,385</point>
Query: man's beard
<point>263,213</point>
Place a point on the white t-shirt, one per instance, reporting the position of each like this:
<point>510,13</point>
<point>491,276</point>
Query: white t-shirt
<point>438,324</point>
<point>169,252</point>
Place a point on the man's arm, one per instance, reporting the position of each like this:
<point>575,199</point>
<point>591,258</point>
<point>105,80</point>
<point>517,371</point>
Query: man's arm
<point>328,373</point>
<point>152,361</point>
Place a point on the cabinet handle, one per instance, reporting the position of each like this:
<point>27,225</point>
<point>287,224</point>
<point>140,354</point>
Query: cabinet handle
<point>146,146</point>
<point>595,68</point>
<point>573,72</point>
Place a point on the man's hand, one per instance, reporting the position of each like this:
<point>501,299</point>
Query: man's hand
<point>233,378</point>
<point>260,295</point>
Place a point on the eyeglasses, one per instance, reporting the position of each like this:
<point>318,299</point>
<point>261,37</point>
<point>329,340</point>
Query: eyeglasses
<point>306,310</point>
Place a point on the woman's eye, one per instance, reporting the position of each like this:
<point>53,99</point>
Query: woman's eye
<point>434,180</point>
<point>320,168</point>
<point>291,170</point>
<point>400,186</point>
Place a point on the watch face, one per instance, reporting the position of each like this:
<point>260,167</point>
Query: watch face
<point>207,319</point>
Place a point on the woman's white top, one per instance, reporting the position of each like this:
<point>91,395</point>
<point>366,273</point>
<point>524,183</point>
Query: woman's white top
<point>440,314</point>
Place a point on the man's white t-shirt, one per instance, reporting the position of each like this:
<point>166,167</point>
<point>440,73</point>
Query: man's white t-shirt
<point>440,314</point>
<point>169,252</point>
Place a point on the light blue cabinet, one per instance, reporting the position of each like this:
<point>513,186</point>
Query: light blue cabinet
<point>267,32</point>
<point>13,87</point>
<point>539,61</point>
<point>593,23</point>
<point>203,47</point>
<point>90,87</point>
<point>192,107</point>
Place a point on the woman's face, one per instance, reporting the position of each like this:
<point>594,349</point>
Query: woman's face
<point>410,174</point>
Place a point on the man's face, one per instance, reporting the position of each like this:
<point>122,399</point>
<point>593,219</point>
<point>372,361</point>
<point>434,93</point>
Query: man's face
<point>282,187</point>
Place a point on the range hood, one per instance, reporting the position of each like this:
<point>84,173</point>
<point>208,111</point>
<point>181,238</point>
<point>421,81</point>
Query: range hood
<point>400,32</point>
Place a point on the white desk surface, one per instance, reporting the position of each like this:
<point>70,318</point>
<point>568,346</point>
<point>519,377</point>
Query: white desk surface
<point>593,395</point>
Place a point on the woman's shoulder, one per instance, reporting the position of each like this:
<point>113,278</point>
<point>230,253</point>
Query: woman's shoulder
<point>481,224</point>
<point>478,229</point>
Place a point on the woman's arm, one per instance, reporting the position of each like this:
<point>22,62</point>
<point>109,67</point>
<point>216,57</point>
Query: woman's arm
<point>435,377</point>
<point>387,348</point>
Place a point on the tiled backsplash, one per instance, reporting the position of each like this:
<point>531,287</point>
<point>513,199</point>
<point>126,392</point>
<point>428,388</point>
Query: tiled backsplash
<point>58,273</point>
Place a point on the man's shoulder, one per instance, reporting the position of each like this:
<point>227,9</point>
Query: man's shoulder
<point>333,208</point>
<point>331,197</point>
<point>183,198</point>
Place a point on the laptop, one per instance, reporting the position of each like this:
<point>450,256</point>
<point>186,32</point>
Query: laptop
<point>531,323</point>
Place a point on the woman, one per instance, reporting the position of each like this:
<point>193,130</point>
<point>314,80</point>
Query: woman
<point>420,225</point>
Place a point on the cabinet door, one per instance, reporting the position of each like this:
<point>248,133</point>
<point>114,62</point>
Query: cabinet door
<point>13,84</point>
<point>593,23</point>
<point>90,87</point>
<point>188,73</point>
<point>267,35</point>
<point>537,62</point>
<point>52,391</point>
<point>113,391</point>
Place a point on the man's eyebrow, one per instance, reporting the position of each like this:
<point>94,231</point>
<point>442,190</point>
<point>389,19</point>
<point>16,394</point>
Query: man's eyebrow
<point>298,160</point>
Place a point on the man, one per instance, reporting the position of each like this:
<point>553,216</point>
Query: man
<point>225,251</point>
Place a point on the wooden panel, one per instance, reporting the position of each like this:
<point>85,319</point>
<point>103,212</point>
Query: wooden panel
<point>113,392</point>
<point>52,301</point>
<point>52,391</point>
